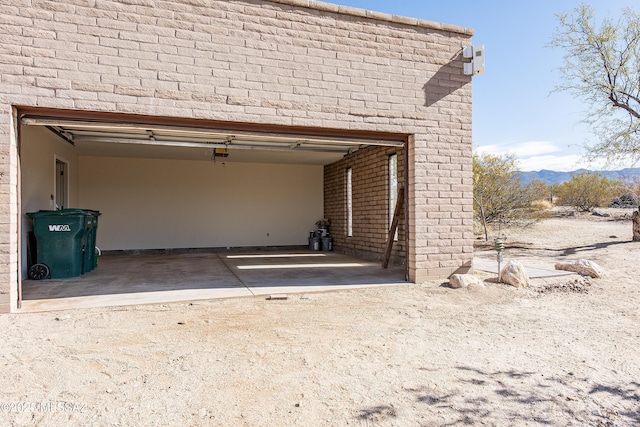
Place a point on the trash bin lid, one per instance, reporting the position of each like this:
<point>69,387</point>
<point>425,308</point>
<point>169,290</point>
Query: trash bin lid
<point>46,214</point>
<point>63,212</point>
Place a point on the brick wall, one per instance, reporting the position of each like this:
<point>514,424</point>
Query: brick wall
<point>440,206</point>
<point>370,191</point>
<point>287,62</point>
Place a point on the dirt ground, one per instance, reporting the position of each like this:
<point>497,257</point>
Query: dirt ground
<point>565,352</point>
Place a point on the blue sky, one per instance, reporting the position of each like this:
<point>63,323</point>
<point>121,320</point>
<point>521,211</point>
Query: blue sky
<point>514,108</point>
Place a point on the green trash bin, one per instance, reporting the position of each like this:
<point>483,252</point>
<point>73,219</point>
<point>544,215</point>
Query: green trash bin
<point>89,238</point>
<point>61,238</point>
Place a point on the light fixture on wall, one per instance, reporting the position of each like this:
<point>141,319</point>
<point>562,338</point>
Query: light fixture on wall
<point>476,53</point>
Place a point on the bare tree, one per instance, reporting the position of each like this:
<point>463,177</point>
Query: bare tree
<point>602,67</point>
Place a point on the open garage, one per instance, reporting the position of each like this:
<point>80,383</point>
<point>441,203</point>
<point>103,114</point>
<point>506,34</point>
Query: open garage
<point>177,201</point>
<point>232,128</point>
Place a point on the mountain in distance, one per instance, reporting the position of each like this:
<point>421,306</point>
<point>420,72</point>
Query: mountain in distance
<point>553,177</point>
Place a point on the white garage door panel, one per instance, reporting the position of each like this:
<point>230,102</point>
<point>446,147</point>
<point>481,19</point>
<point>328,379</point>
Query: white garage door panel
<point>156,203</point>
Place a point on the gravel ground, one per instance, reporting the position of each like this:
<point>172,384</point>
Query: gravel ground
<point>564,352</point>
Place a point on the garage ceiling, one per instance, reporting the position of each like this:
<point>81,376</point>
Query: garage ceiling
<point>95,138</point>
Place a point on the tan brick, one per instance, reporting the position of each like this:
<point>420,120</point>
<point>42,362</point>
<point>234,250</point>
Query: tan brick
<point>76,94</point>
<point>119,80</point>
<point>90,9</point>
<point>134,91</point>
<point>139,54</point>
<point>97,31</point>
<point>86,72</point>
<point>119,44</point>
<point>137,72</point>
<point>116,24</point>
<point>97,50</point>
<point>172,94</point>
<point>114,5</point>
<point>138,18</point>
<point>138,37</point>
<point>74,19</point>
<point>30,92</point>
<point>159,84</point>
<point>53,83</point>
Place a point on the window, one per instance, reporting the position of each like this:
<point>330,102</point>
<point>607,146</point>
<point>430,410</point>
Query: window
<point>349,203</point>
<point>393,188</point>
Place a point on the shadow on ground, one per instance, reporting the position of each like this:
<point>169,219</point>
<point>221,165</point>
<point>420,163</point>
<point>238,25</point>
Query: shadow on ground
<point>519,248</point>
<point>511,397</point>
<point>586,248</point>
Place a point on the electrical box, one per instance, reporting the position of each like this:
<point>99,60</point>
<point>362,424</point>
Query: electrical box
<point>468,68</point>
<point>476,53</point>
<point>478,59</point>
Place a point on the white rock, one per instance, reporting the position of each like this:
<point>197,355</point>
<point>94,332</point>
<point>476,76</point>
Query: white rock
<point>463,280</point>
<point>514,274</point>
<point>584,267</point>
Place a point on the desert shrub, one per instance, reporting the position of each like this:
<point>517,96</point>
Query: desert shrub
<point>542,205</point>
<point>586,190</point>
<point>500,196</point>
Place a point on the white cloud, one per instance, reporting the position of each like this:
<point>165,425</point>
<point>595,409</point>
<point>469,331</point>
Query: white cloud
<point>555,163</point>
<point>538,155</point>
<point>521,149</point>
<point>566,163</point>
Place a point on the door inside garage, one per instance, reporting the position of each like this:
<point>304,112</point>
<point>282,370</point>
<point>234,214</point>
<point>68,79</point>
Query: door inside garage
<point>184,188</point>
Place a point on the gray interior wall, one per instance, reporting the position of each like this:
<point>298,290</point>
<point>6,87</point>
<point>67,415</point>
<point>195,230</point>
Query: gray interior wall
<point>160,203</point>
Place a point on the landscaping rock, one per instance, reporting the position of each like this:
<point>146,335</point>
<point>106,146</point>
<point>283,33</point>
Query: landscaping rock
<point>583,267</point>
<point>463,280</point>
<point>514,274</point>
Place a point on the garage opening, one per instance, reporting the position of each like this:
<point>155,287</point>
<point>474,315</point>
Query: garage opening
<point>218,205</point>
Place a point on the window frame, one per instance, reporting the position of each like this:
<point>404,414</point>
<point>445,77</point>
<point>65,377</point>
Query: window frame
<point>349,201</point>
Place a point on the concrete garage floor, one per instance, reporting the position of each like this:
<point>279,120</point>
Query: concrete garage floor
<point>148,279</point>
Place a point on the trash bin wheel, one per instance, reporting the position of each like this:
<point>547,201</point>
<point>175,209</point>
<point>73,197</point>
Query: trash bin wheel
<point>39,271</point>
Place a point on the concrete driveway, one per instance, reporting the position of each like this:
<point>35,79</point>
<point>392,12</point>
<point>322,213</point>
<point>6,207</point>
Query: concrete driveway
<point>146,279</point>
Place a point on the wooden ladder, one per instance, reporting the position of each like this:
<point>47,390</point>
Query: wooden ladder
<point>394,227</point>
